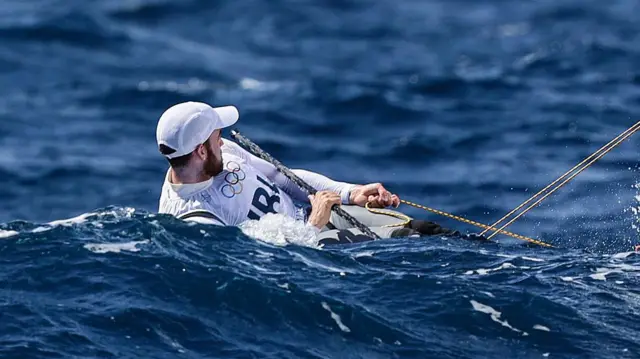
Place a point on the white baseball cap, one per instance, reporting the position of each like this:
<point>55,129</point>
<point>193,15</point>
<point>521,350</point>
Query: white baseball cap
<point>186,125</point>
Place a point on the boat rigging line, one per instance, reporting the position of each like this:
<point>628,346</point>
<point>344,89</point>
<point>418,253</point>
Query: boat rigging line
<point>567,176</point>
<point>575,170</point>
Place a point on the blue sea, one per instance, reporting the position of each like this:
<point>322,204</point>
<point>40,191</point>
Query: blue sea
<point>469,107</point>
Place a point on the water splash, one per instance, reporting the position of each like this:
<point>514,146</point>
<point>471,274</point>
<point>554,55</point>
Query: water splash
<point>281,230</point>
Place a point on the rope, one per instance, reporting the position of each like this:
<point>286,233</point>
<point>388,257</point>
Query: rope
<point>477,224</point>
<point>401,216</point>
<point>604,150</point>
<point>406,219</point>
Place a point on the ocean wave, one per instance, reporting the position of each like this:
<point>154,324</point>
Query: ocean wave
<point>120,275</point>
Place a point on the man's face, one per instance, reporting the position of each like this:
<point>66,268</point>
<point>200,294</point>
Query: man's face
<point>213,163</point>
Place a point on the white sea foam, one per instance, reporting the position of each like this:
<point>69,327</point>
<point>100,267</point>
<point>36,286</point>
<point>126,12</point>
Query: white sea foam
<point>284,286</point>
<point>494,314</point>
<point>602,273</point>
<point>71,221</point>
<point>7,234</point>
<point>115,247</point>
<point>363,254</point>
<point>483,271</point>
<point>626,267</point>
<point>541,327</point>
<point>336,318</point>
<point>622,255</point>
<point>317,265</point>
<point>64,222</point>
<point>489,294</point>
<point>281,230</point>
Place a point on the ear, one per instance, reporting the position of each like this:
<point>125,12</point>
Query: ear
<point>201,152</point>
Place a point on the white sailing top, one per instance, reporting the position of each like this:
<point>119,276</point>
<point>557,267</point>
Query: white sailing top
<point>246,189</point>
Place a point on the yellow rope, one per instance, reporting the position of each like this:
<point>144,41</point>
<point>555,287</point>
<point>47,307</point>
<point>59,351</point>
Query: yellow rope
<point>477,224</point>
<point>407,219</point>
<point>404,217</point>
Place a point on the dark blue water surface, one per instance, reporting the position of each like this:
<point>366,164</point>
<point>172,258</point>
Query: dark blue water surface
<point>465,106</point>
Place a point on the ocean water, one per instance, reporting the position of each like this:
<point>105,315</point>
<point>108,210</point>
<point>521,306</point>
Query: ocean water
<point>465,106</point>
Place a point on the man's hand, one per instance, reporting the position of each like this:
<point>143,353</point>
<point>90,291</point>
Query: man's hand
<point>321,205</point>
<point>374,193</point>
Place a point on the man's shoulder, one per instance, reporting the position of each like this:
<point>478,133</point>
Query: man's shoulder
<point>231,148</point>
<point>228,143</point>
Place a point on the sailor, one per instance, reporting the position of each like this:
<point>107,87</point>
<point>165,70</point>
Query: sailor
<point>213,180</point>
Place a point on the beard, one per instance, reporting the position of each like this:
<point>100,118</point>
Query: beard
<point>213,165</point>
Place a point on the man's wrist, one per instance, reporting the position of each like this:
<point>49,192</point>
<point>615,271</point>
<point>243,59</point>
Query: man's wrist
<point>348,196</point>
<point>312,223</point>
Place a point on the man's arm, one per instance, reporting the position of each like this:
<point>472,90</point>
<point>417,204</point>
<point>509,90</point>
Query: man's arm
<point>315,180</point>
<point>324,183</point>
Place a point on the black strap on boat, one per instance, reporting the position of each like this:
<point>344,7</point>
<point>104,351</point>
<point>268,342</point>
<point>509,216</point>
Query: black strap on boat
<point>257,151</point>
<point>200,213</point>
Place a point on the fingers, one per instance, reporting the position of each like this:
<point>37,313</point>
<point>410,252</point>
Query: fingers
<point>378,202</point>
<point>383,193</point>
<point>384,197</point>
<point>395,201</point>
<point>329,197</point>
<point>376,195</point>
<point>386,203</point>
<point>321,205</point>
<point>371,189</point>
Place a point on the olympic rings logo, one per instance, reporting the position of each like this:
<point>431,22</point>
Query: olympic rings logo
<point>233,166</point>
<point>234,178</point>
<point>229,190</point>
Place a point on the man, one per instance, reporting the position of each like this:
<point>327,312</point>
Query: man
<point>213,180</point>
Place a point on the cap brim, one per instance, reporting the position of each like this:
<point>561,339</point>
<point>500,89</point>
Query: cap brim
<point>228,115</point>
